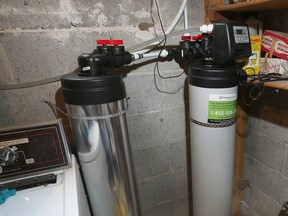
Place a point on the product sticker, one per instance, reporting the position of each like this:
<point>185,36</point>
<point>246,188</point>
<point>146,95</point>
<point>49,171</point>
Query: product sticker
<point>222,107</point>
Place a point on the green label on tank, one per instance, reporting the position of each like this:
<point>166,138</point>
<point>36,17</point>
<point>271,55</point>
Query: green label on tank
<point>222,107</point>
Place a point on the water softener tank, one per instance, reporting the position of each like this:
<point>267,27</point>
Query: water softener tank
<point>96,105</point>
<point>212,102</point>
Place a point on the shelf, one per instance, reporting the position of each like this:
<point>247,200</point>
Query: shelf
<point>252,5</point>
<point>277,85</point>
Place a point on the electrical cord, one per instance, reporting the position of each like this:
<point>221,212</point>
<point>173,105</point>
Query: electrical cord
<point>156,67</point>
<point>256,86</point>
<point>182,10</point>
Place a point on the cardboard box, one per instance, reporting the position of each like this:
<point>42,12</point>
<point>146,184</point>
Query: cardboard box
<point>276,42</point>
<point>273,65</point>
<point>252,67</point>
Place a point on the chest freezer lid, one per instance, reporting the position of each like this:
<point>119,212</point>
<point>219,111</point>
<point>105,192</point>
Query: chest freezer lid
<point>59,199</point>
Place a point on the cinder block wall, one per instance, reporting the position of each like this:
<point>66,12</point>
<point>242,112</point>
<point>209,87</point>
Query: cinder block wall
<point>266,164</point>
<point>42,39</point>
<point>266,158</point>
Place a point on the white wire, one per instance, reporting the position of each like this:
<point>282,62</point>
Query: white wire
<point>171,27</point>
<point>186,18</point>
<point>177,17</point>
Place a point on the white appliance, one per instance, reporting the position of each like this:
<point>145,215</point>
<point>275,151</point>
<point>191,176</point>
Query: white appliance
<point>35,161</point>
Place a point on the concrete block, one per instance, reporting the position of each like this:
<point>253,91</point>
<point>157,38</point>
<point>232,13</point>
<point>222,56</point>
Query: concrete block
<point>253,213</point>
<point>7,75</point>
<point>285,168</point>
<point>273,130</point>
<point>6,117</point>
<point>177,99</point>
<point>111,12</point>
<point>249,169</point>
<point>244,209</point>
<point>253,115</point>
<point>265,149</point>
<point>142,93</point>
<point>163,188</point>
<point>253,122</point>
<point>28,5</point>
<point>30,21</point>
<point>178,155</point>
<point>146,130</point>
<point>152,161</point>
<point>32,14</point>
<point>165,209</point>
<point>196,12</point>
<point>181,206</point>
<point>272,122</point>
<point>46,54</point>
<point>49,53</point>
<point>246,199</point>
<point>271,182</point>
<point>174,124</point>
<point>263,204</point>
<point>24,106</point>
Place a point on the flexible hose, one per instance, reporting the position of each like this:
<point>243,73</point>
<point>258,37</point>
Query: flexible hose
<point>173,34</point>
<point>31,84</point>
<point>182,9</point>
<point>130,49</point>
<point>177,17</point>
<point>186,26</point>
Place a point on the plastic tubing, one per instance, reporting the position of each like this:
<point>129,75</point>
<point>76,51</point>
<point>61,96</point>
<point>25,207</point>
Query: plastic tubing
<point>185,17</point>
<point>177,17</point>
<point>130,49</point>
<point>173,34</point>
<point>182,9</point>
<point>162,53</point>
<point>30,84</point>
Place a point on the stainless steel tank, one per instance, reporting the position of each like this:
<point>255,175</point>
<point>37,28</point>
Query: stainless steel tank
<point>96,106</point>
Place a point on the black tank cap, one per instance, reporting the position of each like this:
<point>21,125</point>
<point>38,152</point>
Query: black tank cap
<point>208,76</point>
<point>90,90</point>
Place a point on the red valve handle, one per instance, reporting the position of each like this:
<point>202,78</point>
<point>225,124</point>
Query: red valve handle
<point>116,42</point>
<point>109,42</point>
<point>186,38</point>
<point>197,37</point>
<point>103,42</point>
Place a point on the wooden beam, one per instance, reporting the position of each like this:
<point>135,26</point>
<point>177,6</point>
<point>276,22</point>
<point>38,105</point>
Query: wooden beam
<point>239,153</point>
<point>252,6</point>
<point>212,15</point>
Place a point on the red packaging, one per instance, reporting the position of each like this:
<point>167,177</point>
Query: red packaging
<point>280,41</point>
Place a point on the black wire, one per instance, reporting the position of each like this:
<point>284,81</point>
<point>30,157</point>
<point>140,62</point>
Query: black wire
<point>156,67</point>
<point>256,86</point>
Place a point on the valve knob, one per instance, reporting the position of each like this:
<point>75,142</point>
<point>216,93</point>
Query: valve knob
<point>103,42</point>
<point>109,42</point>
<point>197,37</point>
<point>116,42</point>
<point>186,38</point>
<point>7,154</point>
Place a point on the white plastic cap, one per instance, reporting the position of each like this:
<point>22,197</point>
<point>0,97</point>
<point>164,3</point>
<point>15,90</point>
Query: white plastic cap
<point>206,28</point>
<point>210,28</point>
